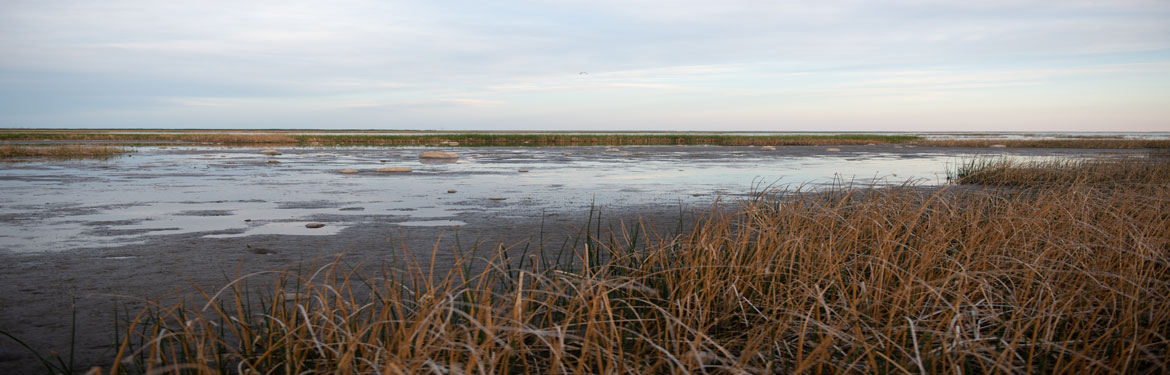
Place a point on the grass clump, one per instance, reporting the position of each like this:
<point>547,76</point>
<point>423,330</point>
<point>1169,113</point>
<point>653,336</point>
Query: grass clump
<point>60,152</point>
<point>1046,279</point>
<point>1063,172</point>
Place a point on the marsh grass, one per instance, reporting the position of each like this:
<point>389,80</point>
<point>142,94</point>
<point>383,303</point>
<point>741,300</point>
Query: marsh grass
<point>514,139</point>
<point>1124,172</point>
<point>203,138</point>
<point>463,139</point>
<point>60,152</point>
<point>1068,278</point>
<point>490,139</point>
<point>1081,143</point>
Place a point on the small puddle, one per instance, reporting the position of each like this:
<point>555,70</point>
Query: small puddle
<point>432,223</point>
<point>285,229</point>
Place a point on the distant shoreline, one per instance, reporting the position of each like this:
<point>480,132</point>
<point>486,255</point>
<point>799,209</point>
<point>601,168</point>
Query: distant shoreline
<point>571,131</point>
<point>538,139</point>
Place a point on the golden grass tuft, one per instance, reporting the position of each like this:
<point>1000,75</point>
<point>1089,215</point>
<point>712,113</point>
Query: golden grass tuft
<point>60,152</point>
<point>1124,172</point>
<point>1045,279</point>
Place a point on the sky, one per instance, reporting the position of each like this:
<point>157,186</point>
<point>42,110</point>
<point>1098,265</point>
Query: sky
<point>913,65</point>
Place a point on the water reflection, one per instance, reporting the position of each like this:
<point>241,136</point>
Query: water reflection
<point>221,192</point>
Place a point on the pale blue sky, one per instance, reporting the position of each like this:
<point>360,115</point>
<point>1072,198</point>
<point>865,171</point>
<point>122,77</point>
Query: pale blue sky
<point>651,65</point>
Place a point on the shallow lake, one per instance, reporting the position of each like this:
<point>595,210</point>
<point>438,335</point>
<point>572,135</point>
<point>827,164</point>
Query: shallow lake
<point>234,192</point>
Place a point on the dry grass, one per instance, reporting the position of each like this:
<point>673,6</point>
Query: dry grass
<point>206,138</point>
<point>511,139</point>
<point>1049,279</point>
<point>463,139</point>
<point>553,139</point>
<point>1099,143</point>
<point>1127,172</point>
<point>59,152</point>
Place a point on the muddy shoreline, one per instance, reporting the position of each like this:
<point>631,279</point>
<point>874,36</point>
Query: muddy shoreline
<point>40,290</point>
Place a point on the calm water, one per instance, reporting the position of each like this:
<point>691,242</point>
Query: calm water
<point>220,192</point>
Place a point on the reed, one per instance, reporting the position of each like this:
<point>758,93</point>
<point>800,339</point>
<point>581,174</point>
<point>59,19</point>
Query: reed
<point>1124,172</point>
<point>60,152</point>
<point>1051,278</point>
<point>1081,143</point>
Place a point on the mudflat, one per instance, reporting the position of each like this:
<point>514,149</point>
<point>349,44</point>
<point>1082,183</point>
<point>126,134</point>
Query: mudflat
<point>89,237</point>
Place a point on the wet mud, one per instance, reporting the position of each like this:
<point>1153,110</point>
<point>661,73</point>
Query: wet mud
<point>90,236</point>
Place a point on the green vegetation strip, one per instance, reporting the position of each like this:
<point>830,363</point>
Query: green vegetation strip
<point>463,139</point>
<point>476,139</point>
<point>211,138</point>
<point>472,139</point>
<point>59,152</point>
<point>1082,143</point>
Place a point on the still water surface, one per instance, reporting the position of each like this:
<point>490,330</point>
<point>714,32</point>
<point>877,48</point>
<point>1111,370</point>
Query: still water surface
<point>234,192</point>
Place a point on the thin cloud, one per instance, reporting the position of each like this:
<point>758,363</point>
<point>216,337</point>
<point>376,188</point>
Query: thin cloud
<point>518,63</point>
<point>198,102</point>
<point>417,104</point>
<point>644,85</point>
